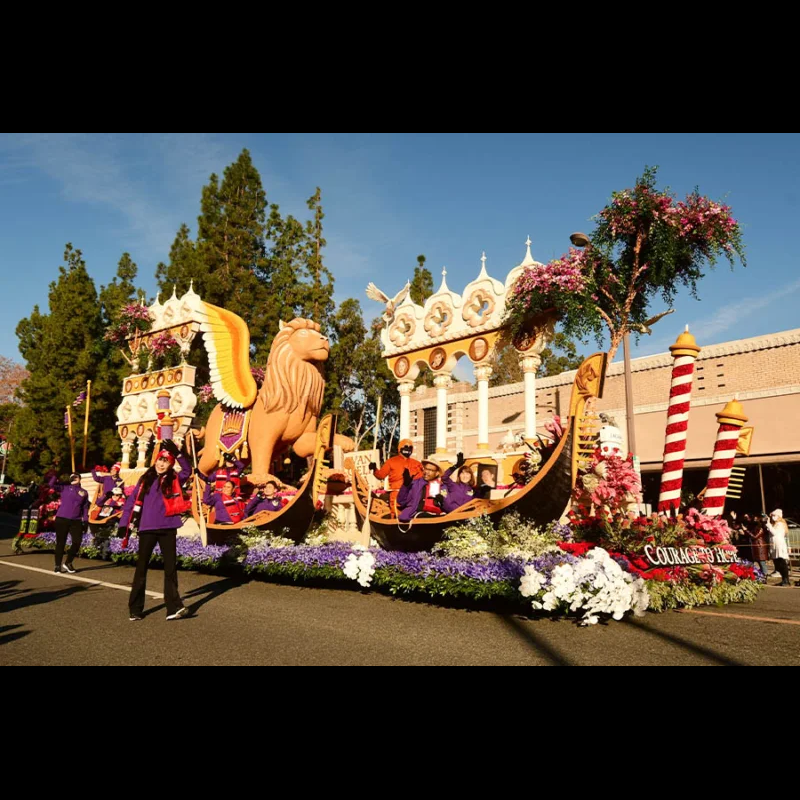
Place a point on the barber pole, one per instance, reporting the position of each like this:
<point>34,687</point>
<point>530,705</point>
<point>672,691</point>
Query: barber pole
<point>684,352</point>
<point>731,421</point>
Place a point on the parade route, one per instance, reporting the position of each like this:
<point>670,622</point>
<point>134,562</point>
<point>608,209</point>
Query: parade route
<point>49,619</point>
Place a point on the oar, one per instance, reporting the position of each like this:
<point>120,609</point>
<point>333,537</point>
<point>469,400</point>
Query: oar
<point>201,516</point>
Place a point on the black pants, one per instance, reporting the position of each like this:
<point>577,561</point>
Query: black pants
<point>73,527</point>
<point>782,565</point>
<point>167,541</point>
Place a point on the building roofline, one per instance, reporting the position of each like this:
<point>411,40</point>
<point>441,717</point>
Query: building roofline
<point>642,364</point>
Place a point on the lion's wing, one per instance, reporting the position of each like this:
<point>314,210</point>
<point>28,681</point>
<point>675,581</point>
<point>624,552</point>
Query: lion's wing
<point>227,341</point>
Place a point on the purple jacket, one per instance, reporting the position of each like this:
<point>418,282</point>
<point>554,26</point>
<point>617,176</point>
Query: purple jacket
<point>154,512</point>
<point>458,494</point>
<point>258,504</point>
<point>222,516</point>
<point>74,500</point>
<point>409,499</point>
<point>107,482</point>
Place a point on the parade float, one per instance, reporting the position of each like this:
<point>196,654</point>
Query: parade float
<point>569,538</point>
<point>252,424</point>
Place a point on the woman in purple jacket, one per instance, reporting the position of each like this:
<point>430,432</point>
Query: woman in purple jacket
<point>461,490</point>
<point>228,506</point>
<point>72,516</point>
<point>155,508</point>
<point>108,481</point>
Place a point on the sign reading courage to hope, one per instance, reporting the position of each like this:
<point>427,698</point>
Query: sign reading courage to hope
<point>680,556</point>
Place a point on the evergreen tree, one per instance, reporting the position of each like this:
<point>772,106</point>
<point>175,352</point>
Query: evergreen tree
<point>63,350</point>
<point>228,262</point>
<point>422,285</point>
<point>281,274</point>
<point>184,268</point>
<point>120,292</point>
<point>357,375</point>
<point>559,356</point>
<point>318,303</point>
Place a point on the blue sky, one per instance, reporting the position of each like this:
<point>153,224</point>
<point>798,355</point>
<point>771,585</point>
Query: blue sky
<point>390,196</point>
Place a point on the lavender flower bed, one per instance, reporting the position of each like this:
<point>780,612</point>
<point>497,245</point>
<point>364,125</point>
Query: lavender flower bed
<point>497,581</point>
<point>402,573</point>
<point>191,553</point>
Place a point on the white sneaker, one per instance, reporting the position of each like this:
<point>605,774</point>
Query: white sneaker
<point>68,568</point>
<point>179,614</point>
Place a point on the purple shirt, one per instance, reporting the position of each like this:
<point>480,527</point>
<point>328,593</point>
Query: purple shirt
<point>458,494</point>
<point>74,500</point>
<point>409,499</point>
<point>258,504</point>
<point>154,511</point>
<point>107,482</point>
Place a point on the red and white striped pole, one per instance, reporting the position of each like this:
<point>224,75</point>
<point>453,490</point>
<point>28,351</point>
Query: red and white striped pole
<point>685,352</point>
<point>731,421</point>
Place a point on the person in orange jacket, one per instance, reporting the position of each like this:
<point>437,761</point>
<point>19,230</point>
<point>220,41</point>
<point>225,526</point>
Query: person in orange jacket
<point>394,469</point>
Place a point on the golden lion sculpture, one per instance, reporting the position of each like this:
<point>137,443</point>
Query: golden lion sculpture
<point>286,410</point>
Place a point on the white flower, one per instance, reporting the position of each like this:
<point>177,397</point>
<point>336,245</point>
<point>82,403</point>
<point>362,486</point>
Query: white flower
<point>360,566</point>
<point>532,582</point>
<point>351,567</point>
<point>550,602</point>
<point>366,566</point>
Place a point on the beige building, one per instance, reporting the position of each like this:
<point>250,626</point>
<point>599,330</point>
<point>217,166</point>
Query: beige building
<point>764,373</point>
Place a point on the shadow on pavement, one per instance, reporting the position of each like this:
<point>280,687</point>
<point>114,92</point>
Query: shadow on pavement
<point>685,644</point>
<point>536,643</point>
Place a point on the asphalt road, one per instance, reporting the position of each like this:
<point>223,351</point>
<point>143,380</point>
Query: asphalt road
<point>48,619</point>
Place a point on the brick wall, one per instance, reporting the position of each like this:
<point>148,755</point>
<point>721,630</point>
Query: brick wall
<point>764,366</point>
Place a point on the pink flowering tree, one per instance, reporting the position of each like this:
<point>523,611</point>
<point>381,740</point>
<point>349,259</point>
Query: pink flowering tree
<point>132,319</point>
<point>646,244</point>
<point>165,351</point>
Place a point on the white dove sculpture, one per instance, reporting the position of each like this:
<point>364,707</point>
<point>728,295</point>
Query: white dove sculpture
<point>374,293</point>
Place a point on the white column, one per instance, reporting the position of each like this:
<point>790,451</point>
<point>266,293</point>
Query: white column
<point>442,384</point>
<point>483,373</point>
<point>127,446</point>
<point>143,445</point>
<point>405,388</point>
<point>530,366</point>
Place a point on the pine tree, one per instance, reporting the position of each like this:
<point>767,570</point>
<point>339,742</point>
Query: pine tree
<point>63,349</point>
<point>422,285</point>
<point>120,292</point>
<point>318,304</point>
<point>281,274</point>
<point>357,375</point>
<point>561,355</point>
<point>184,268</point>
<point>251,260</point>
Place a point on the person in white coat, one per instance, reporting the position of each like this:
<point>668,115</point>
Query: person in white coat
<point>779,547</point>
